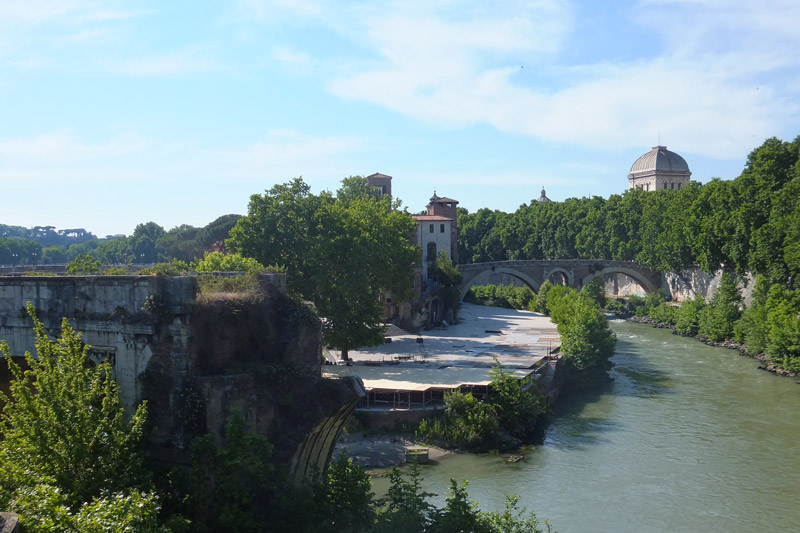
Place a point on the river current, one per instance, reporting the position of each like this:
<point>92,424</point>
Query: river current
<point>687,438</point>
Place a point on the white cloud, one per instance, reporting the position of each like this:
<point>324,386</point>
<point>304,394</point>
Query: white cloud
<point>715,85</point>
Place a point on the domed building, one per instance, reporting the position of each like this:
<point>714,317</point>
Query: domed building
<point>659,169</point>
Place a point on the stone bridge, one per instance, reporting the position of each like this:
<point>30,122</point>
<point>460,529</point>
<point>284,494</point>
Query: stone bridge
<point>195,359</point>
<point>573,273</point>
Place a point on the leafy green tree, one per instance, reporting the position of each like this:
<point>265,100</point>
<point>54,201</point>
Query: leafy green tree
<point>217,230</point>
<point>346,497</point>
<point>752,327</point>
<point>219,262</point>
<point>15,251</point>
<point>460,514</point>
<point>68,460</point>
<point>595,290</point>
<point>83,264</point>
<point>179,243</point>
<point>783,323</point>
<point>356,188</point>
<point>230,484</point>
<point>687,318</point>
<point>113,251</point>
<point>450,278</point>
<point>587,342</point>
<point>53,255</point>
<point>541,298</point>
<point>718,318</point>
<point>512,519</point>
<point>405,508</point>
<point>143,242</point>
<point>343,255</point>
<point>518,407</point>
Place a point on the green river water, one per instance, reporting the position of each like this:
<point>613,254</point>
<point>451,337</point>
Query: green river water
<point>686,438</point>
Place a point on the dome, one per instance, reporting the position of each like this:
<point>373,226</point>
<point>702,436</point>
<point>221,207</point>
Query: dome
<point>660,160</point>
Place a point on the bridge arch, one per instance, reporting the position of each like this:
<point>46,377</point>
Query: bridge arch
<point>484,275</point>
<point>560,276</point>
<point>643,281</point>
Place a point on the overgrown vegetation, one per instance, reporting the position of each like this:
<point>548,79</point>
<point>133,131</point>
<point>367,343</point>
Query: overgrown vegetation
<point>149,243</point>
<point>406,509</point>
<point>502,420</point>
<point>68,461</point>
<point>507,296</point>
<point>341,252</point>
<point>750,224</point>
<point>769,327</point>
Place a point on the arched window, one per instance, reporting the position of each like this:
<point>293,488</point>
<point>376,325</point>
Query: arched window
<point>431,251</point>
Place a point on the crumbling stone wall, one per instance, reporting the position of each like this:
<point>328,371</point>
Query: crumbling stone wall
<point>194,360</point>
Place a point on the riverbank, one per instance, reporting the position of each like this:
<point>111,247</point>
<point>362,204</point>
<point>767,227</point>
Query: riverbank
<point>449,358</point>
<point>729,344</point>
<point>376,452</point>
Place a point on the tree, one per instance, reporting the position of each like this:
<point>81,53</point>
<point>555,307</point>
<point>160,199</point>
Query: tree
<point>405,508</point>
<point>219,262</point>
<point>595,290</point>
<point>450,279</point>
<point>83,264</point>
<point>346,497</point>
<point>540,305</point>
<point>587,342</point>
<point>230,484</point>
<point>343,255</point>
<point>68,461</point>
<point>512,519</point>
<point>143,242</point>
<point>217,230</point>
<point>687,319</point>
<point>460,514</point>
<point>751,329</point>
<point>179,243</point>
<point>718,318</point>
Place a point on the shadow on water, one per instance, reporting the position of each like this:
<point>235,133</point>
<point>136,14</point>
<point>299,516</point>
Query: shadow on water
<point>586,418</point>
<point>635,376</point>
<point>571,428</point>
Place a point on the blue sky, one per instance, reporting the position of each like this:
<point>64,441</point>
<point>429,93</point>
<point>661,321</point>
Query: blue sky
<point>116,112</point>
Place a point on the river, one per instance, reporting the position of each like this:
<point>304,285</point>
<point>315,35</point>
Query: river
<point>687,438</point>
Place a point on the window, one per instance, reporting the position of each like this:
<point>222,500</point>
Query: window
<point>671,185</point>
<point>665,185</point>
<point>431,251</point>
<point>679,186</point>
<point>431,229</point>
<point>441,228</point>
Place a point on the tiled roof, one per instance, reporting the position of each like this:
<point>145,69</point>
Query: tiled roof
<point>432,218</point>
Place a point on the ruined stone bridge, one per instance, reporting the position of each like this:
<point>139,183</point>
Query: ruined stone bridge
<point>572,272</point>
<point>194,359</point>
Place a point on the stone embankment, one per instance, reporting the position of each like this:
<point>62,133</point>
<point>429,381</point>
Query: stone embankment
<point>730,344</point>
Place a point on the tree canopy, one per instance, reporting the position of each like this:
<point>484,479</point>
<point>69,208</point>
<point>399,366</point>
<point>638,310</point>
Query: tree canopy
<point>342,252</point>
<point>68,460</point>
<point>750,224</point>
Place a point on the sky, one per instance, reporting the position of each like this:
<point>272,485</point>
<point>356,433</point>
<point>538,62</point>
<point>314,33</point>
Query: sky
<point>118,112</point>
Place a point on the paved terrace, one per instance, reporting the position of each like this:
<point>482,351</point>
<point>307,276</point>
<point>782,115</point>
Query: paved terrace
<point>460,355</point>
